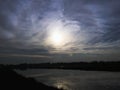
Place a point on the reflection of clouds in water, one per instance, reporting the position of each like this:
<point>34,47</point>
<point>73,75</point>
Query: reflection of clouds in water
<point>39,75</point>
<point>76,79</point>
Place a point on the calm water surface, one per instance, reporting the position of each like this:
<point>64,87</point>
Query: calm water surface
<point>76,79</point>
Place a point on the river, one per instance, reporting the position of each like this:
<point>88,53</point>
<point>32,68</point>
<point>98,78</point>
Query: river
<point>75,79</point>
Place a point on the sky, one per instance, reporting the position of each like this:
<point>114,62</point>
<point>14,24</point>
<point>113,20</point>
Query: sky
<point>36,31</point>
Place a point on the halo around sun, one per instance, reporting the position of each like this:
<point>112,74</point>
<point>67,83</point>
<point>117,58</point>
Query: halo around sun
<point>58,35</point>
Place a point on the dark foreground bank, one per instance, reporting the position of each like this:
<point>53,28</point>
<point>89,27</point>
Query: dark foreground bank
<point>10,80</point>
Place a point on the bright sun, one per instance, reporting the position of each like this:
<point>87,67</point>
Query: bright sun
<point>57,38</point>
<point>58,35</point>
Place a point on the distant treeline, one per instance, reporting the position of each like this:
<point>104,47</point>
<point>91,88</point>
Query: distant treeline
<point>91,66</point>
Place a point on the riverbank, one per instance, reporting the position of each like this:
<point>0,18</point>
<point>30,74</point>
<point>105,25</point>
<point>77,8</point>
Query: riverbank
<point>9,79</point>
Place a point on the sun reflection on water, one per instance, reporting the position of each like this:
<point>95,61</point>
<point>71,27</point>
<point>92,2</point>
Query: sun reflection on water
<point>62,84</point>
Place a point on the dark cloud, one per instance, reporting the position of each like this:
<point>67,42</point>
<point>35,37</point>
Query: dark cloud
<point>17,18</point>
<point>101,15</point>
<point>11,50</point>
<point>101,48</point>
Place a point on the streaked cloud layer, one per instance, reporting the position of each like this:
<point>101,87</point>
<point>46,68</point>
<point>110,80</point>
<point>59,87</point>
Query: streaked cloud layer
<point>87,27</point>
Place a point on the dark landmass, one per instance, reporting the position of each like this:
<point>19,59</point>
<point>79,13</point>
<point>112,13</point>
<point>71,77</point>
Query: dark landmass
<point>10,80</point>
<point>88,66</point>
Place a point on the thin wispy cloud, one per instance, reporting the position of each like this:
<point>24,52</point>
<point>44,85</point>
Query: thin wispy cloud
<point>59,26</point>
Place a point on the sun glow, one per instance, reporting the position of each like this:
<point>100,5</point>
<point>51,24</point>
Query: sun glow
<point>60,35</point>
<point>57,37</point>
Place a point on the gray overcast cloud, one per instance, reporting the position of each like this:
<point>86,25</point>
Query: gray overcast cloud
<point>51,27</point>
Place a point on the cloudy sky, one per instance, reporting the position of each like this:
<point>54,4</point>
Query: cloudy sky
<point>59,30</point>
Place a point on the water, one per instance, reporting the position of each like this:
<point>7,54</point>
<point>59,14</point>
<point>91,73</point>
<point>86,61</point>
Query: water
<point>76,79</point>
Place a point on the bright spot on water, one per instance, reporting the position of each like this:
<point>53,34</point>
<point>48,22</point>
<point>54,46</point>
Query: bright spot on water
<point>61,84</point>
